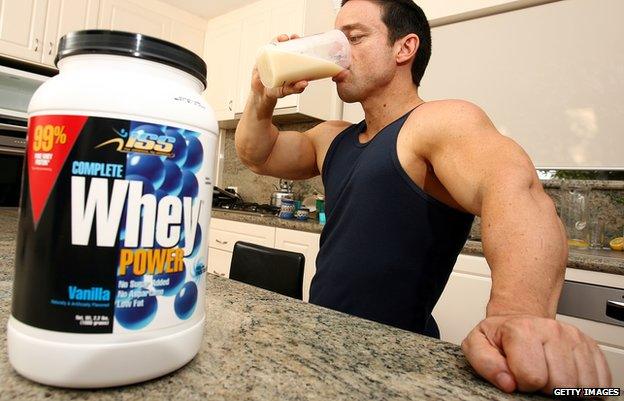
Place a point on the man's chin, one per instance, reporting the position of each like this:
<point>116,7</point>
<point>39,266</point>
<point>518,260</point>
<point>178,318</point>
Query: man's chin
<point>345,95</point>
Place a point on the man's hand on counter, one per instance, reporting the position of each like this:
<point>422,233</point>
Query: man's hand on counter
<point>529,353</point>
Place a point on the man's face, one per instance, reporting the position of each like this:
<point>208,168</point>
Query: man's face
<point>373,62</point>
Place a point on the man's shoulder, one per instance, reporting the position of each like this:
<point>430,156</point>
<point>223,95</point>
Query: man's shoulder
<point>440,118</point>
<point>327,130</point>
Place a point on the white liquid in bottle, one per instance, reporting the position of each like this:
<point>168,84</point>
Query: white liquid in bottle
<point>279,68</point>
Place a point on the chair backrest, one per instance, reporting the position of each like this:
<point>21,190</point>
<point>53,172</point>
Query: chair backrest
<point>269,268</point>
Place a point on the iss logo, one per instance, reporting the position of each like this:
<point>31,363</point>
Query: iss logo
<point>145,138</point>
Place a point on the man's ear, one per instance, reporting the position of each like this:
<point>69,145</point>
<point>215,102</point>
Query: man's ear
<point>408,47</point>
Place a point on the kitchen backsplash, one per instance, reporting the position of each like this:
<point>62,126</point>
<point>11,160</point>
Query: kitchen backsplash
<point>606,200</point>
<point>257,188</point>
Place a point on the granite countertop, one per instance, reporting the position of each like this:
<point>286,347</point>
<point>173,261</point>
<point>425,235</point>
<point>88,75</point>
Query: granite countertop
<point>259,345</point>
<point>604,261</point>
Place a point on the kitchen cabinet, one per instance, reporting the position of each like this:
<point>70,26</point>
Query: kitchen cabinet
<point>222,39</point>
<point>463,302</point>
<point>22,25</point>
<point>352,112</point>
<point>225,233</point>
<point>30,29</point>
<point>302,242</point>
<point>259,23</point>
<point>124,15</point>
<point>65,16</point>
<point>154,18</point>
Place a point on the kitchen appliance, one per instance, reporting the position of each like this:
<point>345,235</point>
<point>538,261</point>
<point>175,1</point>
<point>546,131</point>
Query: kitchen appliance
<point>283,192</point>
<point>17,86</point>
<point>231,202</point>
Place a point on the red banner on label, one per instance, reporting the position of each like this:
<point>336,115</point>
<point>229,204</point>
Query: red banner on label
<point>49,141</point>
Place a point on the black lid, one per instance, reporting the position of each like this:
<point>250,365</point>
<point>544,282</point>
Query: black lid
<point>100,41</point>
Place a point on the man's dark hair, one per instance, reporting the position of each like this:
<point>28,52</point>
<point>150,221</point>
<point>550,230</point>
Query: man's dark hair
<point>403,17</point>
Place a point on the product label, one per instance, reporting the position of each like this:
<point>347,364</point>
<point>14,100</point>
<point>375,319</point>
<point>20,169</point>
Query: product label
<point>113,225</point>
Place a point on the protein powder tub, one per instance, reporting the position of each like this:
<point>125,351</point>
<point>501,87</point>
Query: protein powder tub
<point>115,207</point>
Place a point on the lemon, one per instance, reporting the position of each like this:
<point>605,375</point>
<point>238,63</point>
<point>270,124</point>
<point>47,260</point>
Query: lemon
<point>617,244</point>
<point>578,243</point>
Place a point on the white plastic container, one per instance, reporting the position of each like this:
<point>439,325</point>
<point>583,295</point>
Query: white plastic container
<point>112,241</point>
<point>312,57</point>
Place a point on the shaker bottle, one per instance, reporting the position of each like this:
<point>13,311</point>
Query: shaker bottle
<point>309,58</point>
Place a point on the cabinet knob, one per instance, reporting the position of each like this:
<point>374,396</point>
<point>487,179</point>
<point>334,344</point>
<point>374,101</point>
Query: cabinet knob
<point>51,48</point>
<point>230,105</point>
<point>221,242</point>
<point>36,44</point>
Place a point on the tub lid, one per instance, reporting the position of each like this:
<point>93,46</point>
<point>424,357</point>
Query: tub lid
<point>101,41</point>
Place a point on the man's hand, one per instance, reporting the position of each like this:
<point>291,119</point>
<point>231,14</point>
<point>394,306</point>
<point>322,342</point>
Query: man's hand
<point>528,353</point>
<point>275,93</point>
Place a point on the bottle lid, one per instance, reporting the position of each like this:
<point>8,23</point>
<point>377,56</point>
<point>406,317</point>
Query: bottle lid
<point>100,41</point>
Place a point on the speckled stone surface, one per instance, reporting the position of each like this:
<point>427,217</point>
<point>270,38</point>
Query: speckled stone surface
<point>310,225</point>
<point>604,261</point>
<point>263,346</point>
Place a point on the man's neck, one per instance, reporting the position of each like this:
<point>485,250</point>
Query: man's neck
<point>388,105</point>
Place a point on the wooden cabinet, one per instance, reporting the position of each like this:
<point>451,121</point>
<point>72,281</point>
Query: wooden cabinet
<point>30,29</point>
<point>302,242</point>
<point>124,15</point>
<point>22,26</point>
<point>225,233</point>
<point>259,23</point>
<point>223,38</point>
<point>352,112</point>
<point>65,16</point>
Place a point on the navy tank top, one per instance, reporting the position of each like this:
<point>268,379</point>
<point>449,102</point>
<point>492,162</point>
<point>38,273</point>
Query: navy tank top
<point>388,247</point>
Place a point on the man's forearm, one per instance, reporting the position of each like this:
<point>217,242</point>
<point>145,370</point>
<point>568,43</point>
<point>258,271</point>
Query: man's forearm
<point>255,133</point>
<point>525,245</point>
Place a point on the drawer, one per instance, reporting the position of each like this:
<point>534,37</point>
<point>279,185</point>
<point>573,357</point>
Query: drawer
<point>224,234</point>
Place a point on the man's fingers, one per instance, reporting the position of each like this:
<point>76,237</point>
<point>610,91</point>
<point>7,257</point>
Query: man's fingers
<point>282,38</point>
<point>561,365</point>
<point>602,369</point>
<point>586,371</point>
<point>487,360</point>
<point>294,36</point>
<point>525,355</point>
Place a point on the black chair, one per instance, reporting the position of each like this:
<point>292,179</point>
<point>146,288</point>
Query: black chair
<point>269,268</point>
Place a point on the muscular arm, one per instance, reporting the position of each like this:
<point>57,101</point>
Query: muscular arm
<point>518,345</point>
<point>283,154</point>
<point>523,238</point>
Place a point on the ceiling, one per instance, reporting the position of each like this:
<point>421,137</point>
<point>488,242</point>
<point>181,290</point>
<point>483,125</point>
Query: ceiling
<point>208,8</point>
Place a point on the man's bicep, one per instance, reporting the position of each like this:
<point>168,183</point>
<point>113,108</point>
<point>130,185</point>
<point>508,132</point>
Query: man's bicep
<point>293,157</point>
<point>470,157</point>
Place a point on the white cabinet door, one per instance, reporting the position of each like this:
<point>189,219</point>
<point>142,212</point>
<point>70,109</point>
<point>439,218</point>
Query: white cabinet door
<point>188,36</point>
<point>223,40</point>
<point>125,15</point>
<point>219,262</point>
<point>287,18</point>
<point>302,242</point>
<point>352,112</point>
<point>66,16</point>
<point>255,33</point>
<point>22,24</point>
<point>225,233</point>
<point>462,304</point>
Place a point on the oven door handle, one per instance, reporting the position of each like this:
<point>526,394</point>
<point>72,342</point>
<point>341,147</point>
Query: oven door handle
<point>13,127</point>
<point>13,151</point>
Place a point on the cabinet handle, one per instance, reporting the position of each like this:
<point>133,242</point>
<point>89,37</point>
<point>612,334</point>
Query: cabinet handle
<point>51,48</point>
<point>36,45</point>
<point>221,242</point>
<point>615,310</point>
<point>230,105</point>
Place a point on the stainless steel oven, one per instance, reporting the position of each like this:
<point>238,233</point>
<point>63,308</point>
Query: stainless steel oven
<point>18,82</point>
<point>12,148</point>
